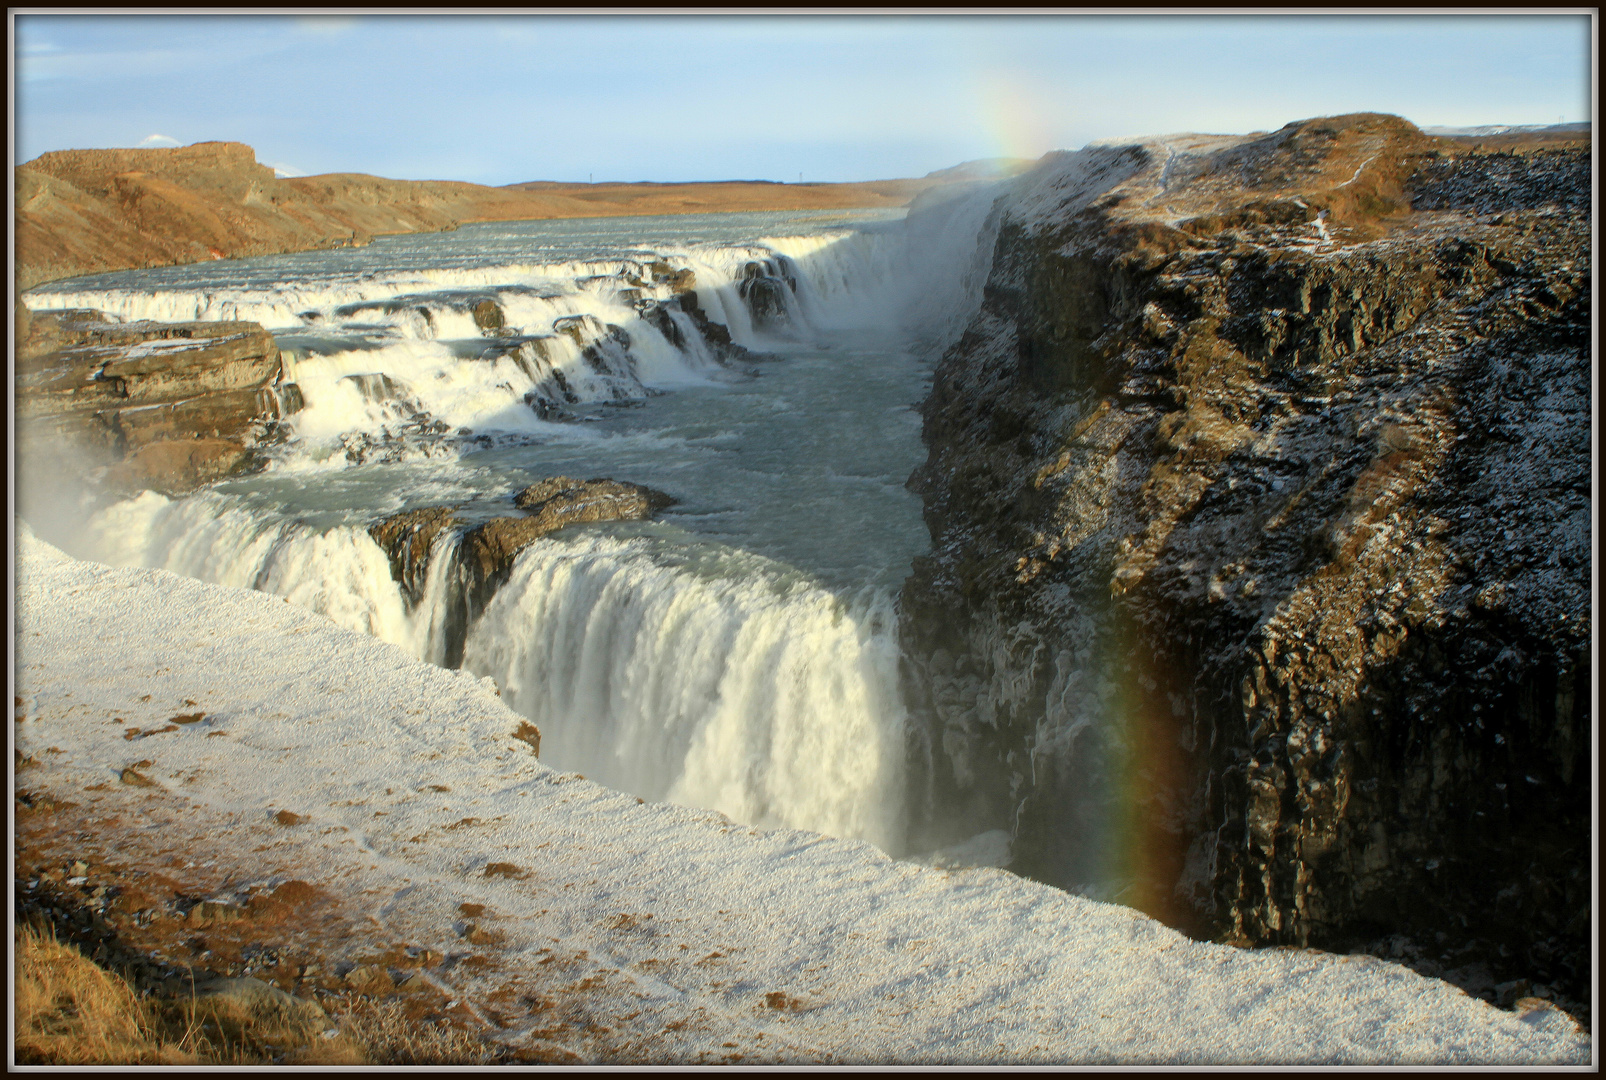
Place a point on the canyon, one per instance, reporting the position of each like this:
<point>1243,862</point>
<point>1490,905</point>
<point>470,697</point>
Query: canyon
<point>1258,479</point>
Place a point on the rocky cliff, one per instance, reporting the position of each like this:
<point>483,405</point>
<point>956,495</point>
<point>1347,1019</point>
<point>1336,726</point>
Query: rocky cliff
<point>1260,591</point>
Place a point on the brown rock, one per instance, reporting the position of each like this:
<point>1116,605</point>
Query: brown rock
<point>529,734</point>
<point>488,315</point>
<point>488,550</point>
<point>408,538</point>
<point>169,406</point>
<point>562,500</point>
<point>173,466</point>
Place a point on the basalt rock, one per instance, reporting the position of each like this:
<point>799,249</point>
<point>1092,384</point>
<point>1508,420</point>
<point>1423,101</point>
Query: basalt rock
<point>716,335</point>
<point>167,406</point>
<point>408,538</point>
<point>486,552</point>
<point>489,549</point>
<point>1259,491</point>
<point>562,500</point>
<point>765,288</point>
<point>488,316</point>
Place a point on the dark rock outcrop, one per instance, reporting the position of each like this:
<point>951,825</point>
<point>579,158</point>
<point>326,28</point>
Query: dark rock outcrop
<point>488,550</point>
<point>408,538</point>
<point>485,553</point>
<point>488,316</point>
<point>168,406</point>
<point>765,288</point>
<point>1260,498</point>
<point>562,500</point>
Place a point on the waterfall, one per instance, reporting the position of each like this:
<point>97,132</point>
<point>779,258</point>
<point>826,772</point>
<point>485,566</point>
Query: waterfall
<point>725,681</point>
<point>658,662</point>
<point>725,687</point>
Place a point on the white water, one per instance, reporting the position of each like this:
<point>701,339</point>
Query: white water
<point>739,654</point>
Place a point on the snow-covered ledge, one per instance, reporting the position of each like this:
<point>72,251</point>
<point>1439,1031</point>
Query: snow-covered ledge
<point>876,960</point>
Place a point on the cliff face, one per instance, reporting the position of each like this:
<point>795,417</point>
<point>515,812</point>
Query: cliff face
<point>1260,498</point>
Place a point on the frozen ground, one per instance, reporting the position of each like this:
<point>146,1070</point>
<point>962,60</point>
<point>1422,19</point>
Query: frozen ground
<point>685,936</point>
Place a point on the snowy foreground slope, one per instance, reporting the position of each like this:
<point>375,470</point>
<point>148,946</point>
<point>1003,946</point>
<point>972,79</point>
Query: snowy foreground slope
<point>679,926</point>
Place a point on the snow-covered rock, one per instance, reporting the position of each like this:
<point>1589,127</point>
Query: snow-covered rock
<point>683,935</point>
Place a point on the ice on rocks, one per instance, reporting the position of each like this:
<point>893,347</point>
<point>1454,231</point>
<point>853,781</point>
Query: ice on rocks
<point>892,962</point>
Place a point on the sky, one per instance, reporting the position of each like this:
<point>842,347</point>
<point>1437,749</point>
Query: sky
<point>499,99</point>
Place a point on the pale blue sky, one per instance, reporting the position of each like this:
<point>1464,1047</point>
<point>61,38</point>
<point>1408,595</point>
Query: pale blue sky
<point>503,98</point>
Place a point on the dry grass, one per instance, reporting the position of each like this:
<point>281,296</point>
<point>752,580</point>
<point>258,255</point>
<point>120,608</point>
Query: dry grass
<point>389,1036</point>
<point>70,1011</point>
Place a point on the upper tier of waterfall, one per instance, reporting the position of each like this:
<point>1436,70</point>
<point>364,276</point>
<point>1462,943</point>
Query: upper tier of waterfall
<point>740,651</point>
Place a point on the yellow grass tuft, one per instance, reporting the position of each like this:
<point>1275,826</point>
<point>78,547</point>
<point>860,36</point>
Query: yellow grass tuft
<point>70,1011</point>
<point>389,1036</point>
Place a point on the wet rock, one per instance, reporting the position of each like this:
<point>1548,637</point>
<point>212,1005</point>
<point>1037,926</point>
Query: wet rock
<point>560,500</point>
<point>408,539</point>
<point>1232,512</point>
<point>581,329</point>
<point>488,316</point>
<point>381,388</point>
<point>765,294</point>
<point>167,406</point>
<point>716,335</point>
<point>488,550</point>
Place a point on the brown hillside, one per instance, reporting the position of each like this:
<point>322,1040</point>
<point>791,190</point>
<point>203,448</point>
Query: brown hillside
<point>88,211</point>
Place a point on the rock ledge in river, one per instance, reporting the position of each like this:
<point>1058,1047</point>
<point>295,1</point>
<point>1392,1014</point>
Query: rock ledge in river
<point>169,406</point>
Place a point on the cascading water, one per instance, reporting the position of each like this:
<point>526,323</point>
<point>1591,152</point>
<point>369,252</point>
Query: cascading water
<point>740,652</point>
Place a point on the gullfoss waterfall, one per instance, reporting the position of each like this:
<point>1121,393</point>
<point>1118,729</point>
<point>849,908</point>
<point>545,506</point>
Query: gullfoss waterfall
<point>738,653</point>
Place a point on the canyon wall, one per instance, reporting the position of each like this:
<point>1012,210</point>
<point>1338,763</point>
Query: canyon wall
<point>1260,496</point>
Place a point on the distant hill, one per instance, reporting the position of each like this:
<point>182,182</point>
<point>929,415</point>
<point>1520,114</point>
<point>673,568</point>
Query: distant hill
<point>88,211</point>
<point>1495,138</point>
<point>1508,129</point>
<point>724,195</point>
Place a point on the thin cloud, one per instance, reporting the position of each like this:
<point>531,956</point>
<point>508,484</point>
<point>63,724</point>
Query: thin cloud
<point>285,171</point>
<point>325,24</point>
<point>159,140</point>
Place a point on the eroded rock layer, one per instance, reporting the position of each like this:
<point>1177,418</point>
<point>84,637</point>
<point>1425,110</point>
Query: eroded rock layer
<point>168,406</point>
<point>1260,498</point>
